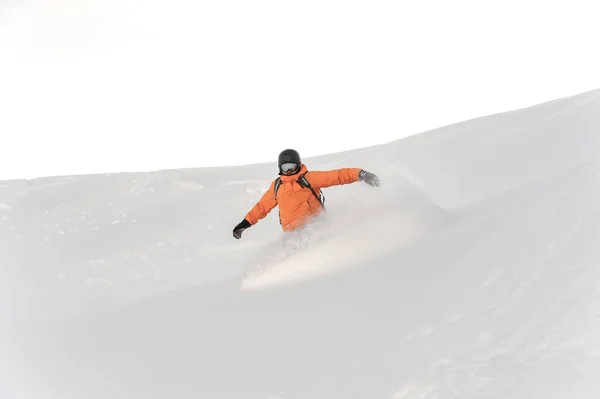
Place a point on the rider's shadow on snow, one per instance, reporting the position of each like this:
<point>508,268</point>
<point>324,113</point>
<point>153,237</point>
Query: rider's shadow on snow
<point>354,228</point>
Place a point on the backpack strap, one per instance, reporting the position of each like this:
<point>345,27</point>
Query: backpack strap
<point>277,184</point>
<point>304,183</point>
<point>275,189</point>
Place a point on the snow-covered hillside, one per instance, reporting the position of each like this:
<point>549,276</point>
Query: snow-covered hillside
<point>472,272</point>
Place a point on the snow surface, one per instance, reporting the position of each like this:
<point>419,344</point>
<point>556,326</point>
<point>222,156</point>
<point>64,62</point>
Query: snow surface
<point>472,272</point>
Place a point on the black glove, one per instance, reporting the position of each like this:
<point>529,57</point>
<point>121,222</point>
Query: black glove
<point>237,231</point>
<point>369,178</point>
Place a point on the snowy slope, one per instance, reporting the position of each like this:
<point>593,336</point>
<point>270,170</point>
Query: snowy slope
<point>470,273</point>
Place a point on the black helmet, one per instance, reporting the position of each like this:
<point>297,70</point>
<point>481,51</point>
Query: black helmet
<point>287,157</point>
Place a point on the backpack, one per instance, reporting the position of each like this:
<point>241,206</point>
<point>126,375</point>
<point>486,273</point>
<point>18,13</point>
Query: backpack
<point>304,183</point>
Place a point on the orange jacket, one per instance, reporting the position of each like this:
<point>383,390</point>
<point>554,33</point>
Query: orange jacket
<point>296,203</point>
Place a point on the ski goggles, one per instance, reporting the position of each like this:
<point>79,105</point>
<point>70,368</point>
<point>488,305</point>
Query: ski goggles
<point>289,167</point>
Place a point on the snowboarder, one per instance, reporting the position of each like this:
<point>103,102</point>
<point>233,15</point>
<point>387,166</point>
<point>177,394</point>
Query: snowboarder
<point>295,191</point>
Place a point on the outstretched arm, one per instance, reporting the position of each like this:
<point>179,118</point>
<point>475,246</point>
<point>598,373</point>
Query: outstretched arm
<point>266,203</point>
<point>338,177</point>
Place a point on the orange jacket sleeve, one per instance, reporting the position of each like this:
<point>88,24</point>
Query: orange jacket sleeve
<point>266,203</point>
<point>334,177</point>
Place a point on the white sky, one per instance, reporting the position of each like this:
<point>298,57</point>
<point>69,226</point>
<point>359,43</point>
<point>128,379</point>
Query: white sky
<point>96,86</point>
